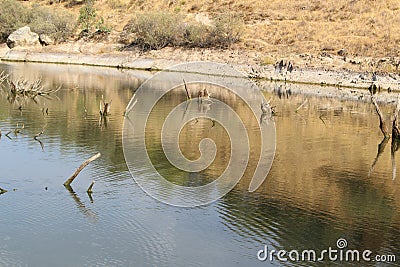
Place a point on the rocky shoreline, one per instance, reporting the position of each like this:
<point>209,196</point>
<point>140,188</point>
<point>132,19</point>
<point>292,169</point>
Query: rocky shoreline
<point>107,55</point>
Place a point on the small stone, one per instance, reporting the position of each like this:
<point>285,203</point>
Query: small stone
<point>342,52</point>
<point>45,40</point>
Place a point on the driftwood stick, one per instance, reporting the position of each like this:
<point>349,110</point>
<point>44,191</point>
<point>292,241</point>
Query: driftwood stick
<point>382,123</point>
<point>89,190</point>
<point>71,179</point>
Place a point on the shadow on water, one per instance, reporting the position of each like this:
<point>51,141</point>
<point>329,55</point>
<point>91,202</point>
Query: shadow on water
<point>381,149</point>
<point>92,216</point>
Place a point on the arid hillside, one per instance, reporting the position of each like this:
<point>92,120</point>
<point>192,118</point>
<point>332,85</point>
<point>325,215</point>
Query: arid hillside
<point>366,28</point>
<point>277,29</point>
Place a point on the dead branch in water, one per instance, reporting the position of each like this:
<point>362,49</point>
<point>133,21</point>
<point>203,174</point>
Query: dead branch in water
<point>188,96</point>
<point>84,164</point>
<point>17,130</point>
<point>395,134</point>
<point>89,190</point>
<point>105,108</point>
<point>3,77</point>
<point>299,107</point>
<point>2,191</point>
<point>322,119</point>
<point>20,91</point>
<point>27,88</point>
<point>382,123</point>
<point>8,135</point>
<point>39,134</point>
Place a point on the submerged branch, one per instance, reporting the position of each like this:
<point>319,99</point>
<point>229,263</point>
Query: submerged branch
<point>83,165</point>
<point>89,190</point>
<point>105,108</point>
<point>188,96</point>
<point>3,77</point>
<point>382,123</point>
<point>299,107</point>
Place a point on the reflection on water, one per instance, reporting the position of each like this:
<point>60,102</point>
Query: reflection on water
<point>319,187</point>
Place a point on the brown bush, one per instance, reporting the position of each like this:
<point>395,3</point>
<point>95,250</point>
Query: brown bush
<point>157,30</point>
<point>13,15</point>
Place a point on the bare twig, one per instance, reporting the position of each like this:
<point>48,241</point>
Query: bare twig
<point>3,77</point>
<point>304,102</point>
<point>84,164</point>
<point>18,129</point>
<point>188,96</point>
<point>40,143</point>
<point>41,132</point>
<point>322,119</point>
<point>89,190</point>
<point>105,108</point>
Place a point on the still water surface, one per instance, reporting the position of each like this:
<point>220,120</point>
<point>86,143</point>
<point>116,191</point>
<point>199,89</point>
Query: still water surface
<point>317,191</point>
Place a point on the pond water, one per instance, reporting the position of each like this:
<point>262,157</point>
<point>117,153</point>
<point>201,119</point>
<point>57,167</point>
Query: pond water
<point>320,187</point>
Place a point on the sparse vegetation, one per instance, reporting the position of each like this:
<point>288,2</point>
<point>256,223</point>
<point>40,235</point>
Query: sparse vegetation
<point>56,24</point>
<point>157,30</point>
<point>117,4</point>
<point>90,21</point>
<point>276,29</point>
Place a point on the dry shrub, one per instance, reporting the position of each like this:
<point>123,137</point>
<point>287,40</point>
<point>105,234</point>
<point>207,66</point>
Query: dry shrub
<point>157,30</point>
<point>13,15</point>
<point>59,25</point>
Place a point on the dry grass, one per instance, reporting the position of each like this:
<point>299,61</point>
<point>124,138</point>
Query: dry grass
<point>363,28</point>
<point>156,30</point>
